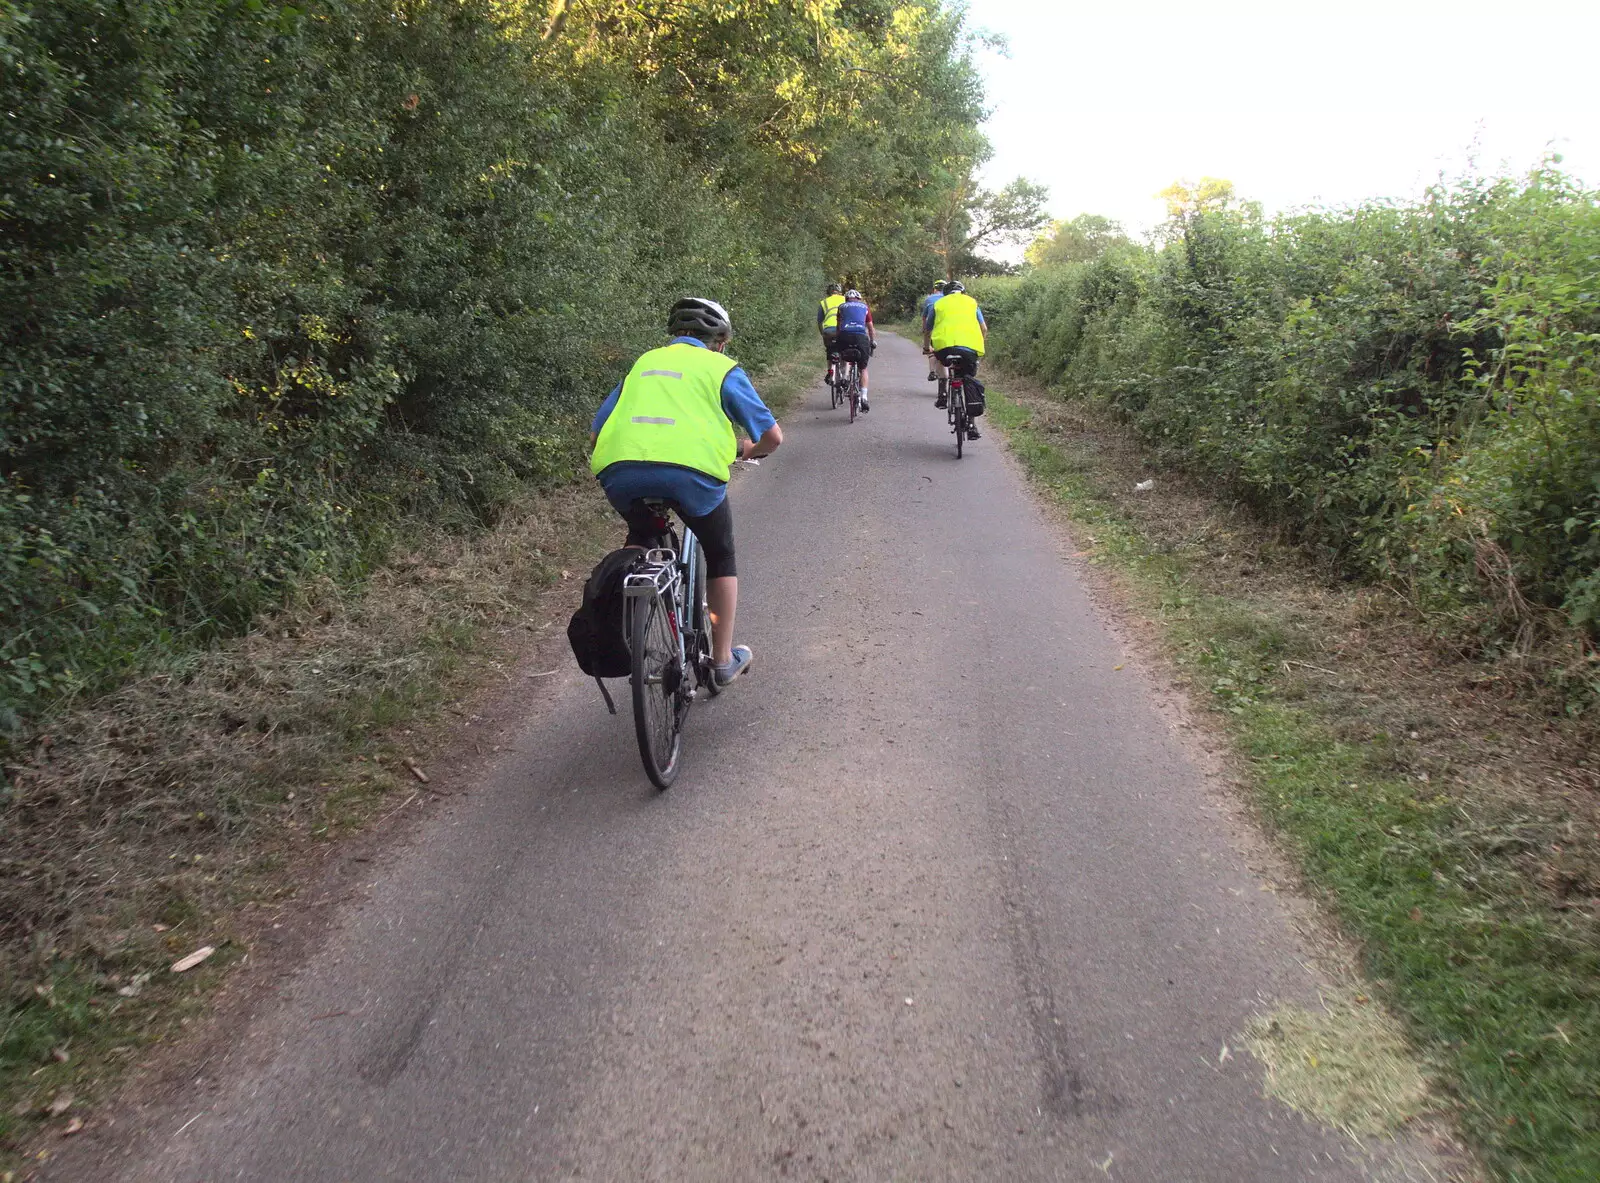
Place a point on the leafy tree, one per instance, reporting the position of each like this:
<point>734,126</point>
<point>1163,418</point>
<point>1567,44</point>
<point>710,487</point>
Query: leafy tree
<point>1409,391</point>
<point>1207,195</point>
<point>1083,239</point>
<point>971,218</point>
<point>278,277</point>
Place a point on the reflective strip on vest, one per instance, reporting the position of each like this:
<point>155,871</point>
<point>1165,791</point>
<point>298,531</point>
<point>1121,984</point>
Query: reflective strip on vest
<point>955,323</point>
<point>830,311</point>
<point>670,412</point>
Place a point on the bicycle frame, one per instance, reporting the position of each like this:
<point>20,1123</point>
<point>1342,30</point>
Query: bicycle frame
<point>956,406</point>
<point>842,372</point>
<point>663,573</point>
<point>667,620</point>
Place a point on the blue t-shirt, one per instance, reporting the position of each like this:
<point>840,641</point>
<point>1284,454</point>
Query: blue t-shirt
<point>698,493</point>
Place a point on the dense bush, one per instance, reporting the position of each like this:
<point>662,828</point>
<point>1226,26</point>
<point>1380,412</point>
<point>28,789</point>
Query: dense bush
<point>1410,390</point>
<point>278,275</point>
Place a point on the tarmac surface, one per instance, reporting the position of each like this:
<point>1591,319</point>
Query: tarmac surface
<point>938,896</point>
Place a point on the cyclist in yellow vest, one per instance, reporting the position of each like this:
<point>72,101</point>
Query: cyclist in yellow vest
<point>954,331</point>
<point>667,433</point>
<point>828,324</point>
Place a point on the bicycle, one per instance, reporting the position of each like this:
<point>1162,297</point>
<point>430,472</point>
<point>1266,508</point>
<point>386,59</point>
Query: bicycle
<point>951,385</point>
<point>847,387</point>
<point>668,623</point>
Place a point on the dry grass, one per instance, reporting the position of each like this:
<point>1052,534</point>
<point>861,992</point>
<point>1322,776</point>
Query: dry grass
<point>186,808</point>
<point>1362,658</point>
<point>153,821</point>
<point>1347,1065</point>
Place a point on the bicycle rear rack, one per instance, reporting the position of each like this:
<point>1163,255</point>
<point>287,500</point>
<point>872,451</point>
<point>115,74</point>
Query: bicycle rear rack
<point>657,575</point>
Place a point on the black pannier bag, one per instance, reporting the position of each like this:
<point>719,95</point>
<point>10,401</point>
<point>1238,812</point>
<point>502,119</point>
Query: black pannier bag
<point>596,631</point>
<point>973,389</point>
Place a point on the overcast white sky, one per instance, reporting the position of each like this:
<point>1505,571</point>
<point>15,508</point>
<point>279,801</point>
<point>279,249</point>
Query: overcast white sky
<point>1298,102</point>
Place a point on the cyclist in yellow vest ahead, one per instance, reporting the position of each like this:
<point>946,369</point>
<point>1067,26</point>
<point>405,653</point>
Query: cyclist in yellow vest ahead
<point>666,433</point>
<point>953,330</point>
<point>828,323</point>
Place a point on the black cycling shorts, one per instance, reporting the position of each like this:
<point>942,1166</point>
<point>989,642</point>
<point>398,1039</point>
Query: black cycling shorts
<point>828,336</point>
<point>714,530</point>
<point>959,355</point>
<point>856,347</point>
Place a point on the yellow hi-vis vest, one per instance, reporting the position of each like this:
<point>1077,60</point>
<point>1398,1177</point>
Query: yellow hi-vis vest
<point>955,322</point>
<point>670,412</point>
<point>830,311</point>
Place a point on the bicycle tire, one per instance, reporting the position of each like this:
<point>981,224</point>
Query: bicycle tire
<point>657,685</point>
<point>958,409</point>
<point>705,664</point>
<point>853,392</point>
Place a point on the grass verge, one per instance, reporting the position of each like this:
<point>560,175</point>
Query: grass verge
<point>1450,823</point>
<point>182,811</point>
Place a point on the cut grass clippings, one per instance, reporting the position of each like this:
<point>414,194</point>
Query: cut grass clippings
<point>182,810</point>
<point>1347,1065</point>
<point>1450,822</point>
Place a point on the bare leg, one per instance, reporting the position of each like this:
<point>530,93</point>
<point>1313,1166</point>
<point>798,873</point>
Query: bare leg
<point>723,596</point>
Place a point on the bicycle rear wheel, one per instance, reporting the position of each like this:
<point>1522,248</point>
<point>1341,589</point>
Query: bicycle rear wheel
<point>854,392</point>
<point>658,682</point>
<point>958,413</point>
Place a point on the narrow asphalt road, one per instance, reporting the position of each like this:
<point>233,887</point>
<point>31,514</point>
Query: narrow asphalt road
<point>938,897</point>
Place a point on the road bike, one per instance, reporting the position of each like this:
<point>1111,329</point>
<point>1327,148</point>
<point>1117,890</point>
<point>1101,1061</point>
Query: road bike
<point>668,623</point>
<point>846,386</point>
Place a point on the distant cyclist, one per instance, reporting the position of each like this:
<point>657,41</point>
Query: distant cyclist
<point>954,330</point>
<point>857,337</point>
<point>828,323</point>
<point>922,314</point>
<point>666,433</point>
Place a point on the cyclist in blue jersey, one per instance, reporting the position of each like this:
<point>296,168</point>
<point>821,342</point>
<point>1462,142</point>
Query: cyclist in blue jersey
<point>674,442</point>
<point>922,314</point>
<point>857,337</point>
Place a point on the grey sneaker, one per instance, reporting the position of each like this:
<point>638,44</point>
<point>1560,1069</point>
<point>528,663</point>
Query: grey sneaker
<point>742,657</point>
<point>865,407</point>
<point>941,402</point>
<point>972,434</point>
